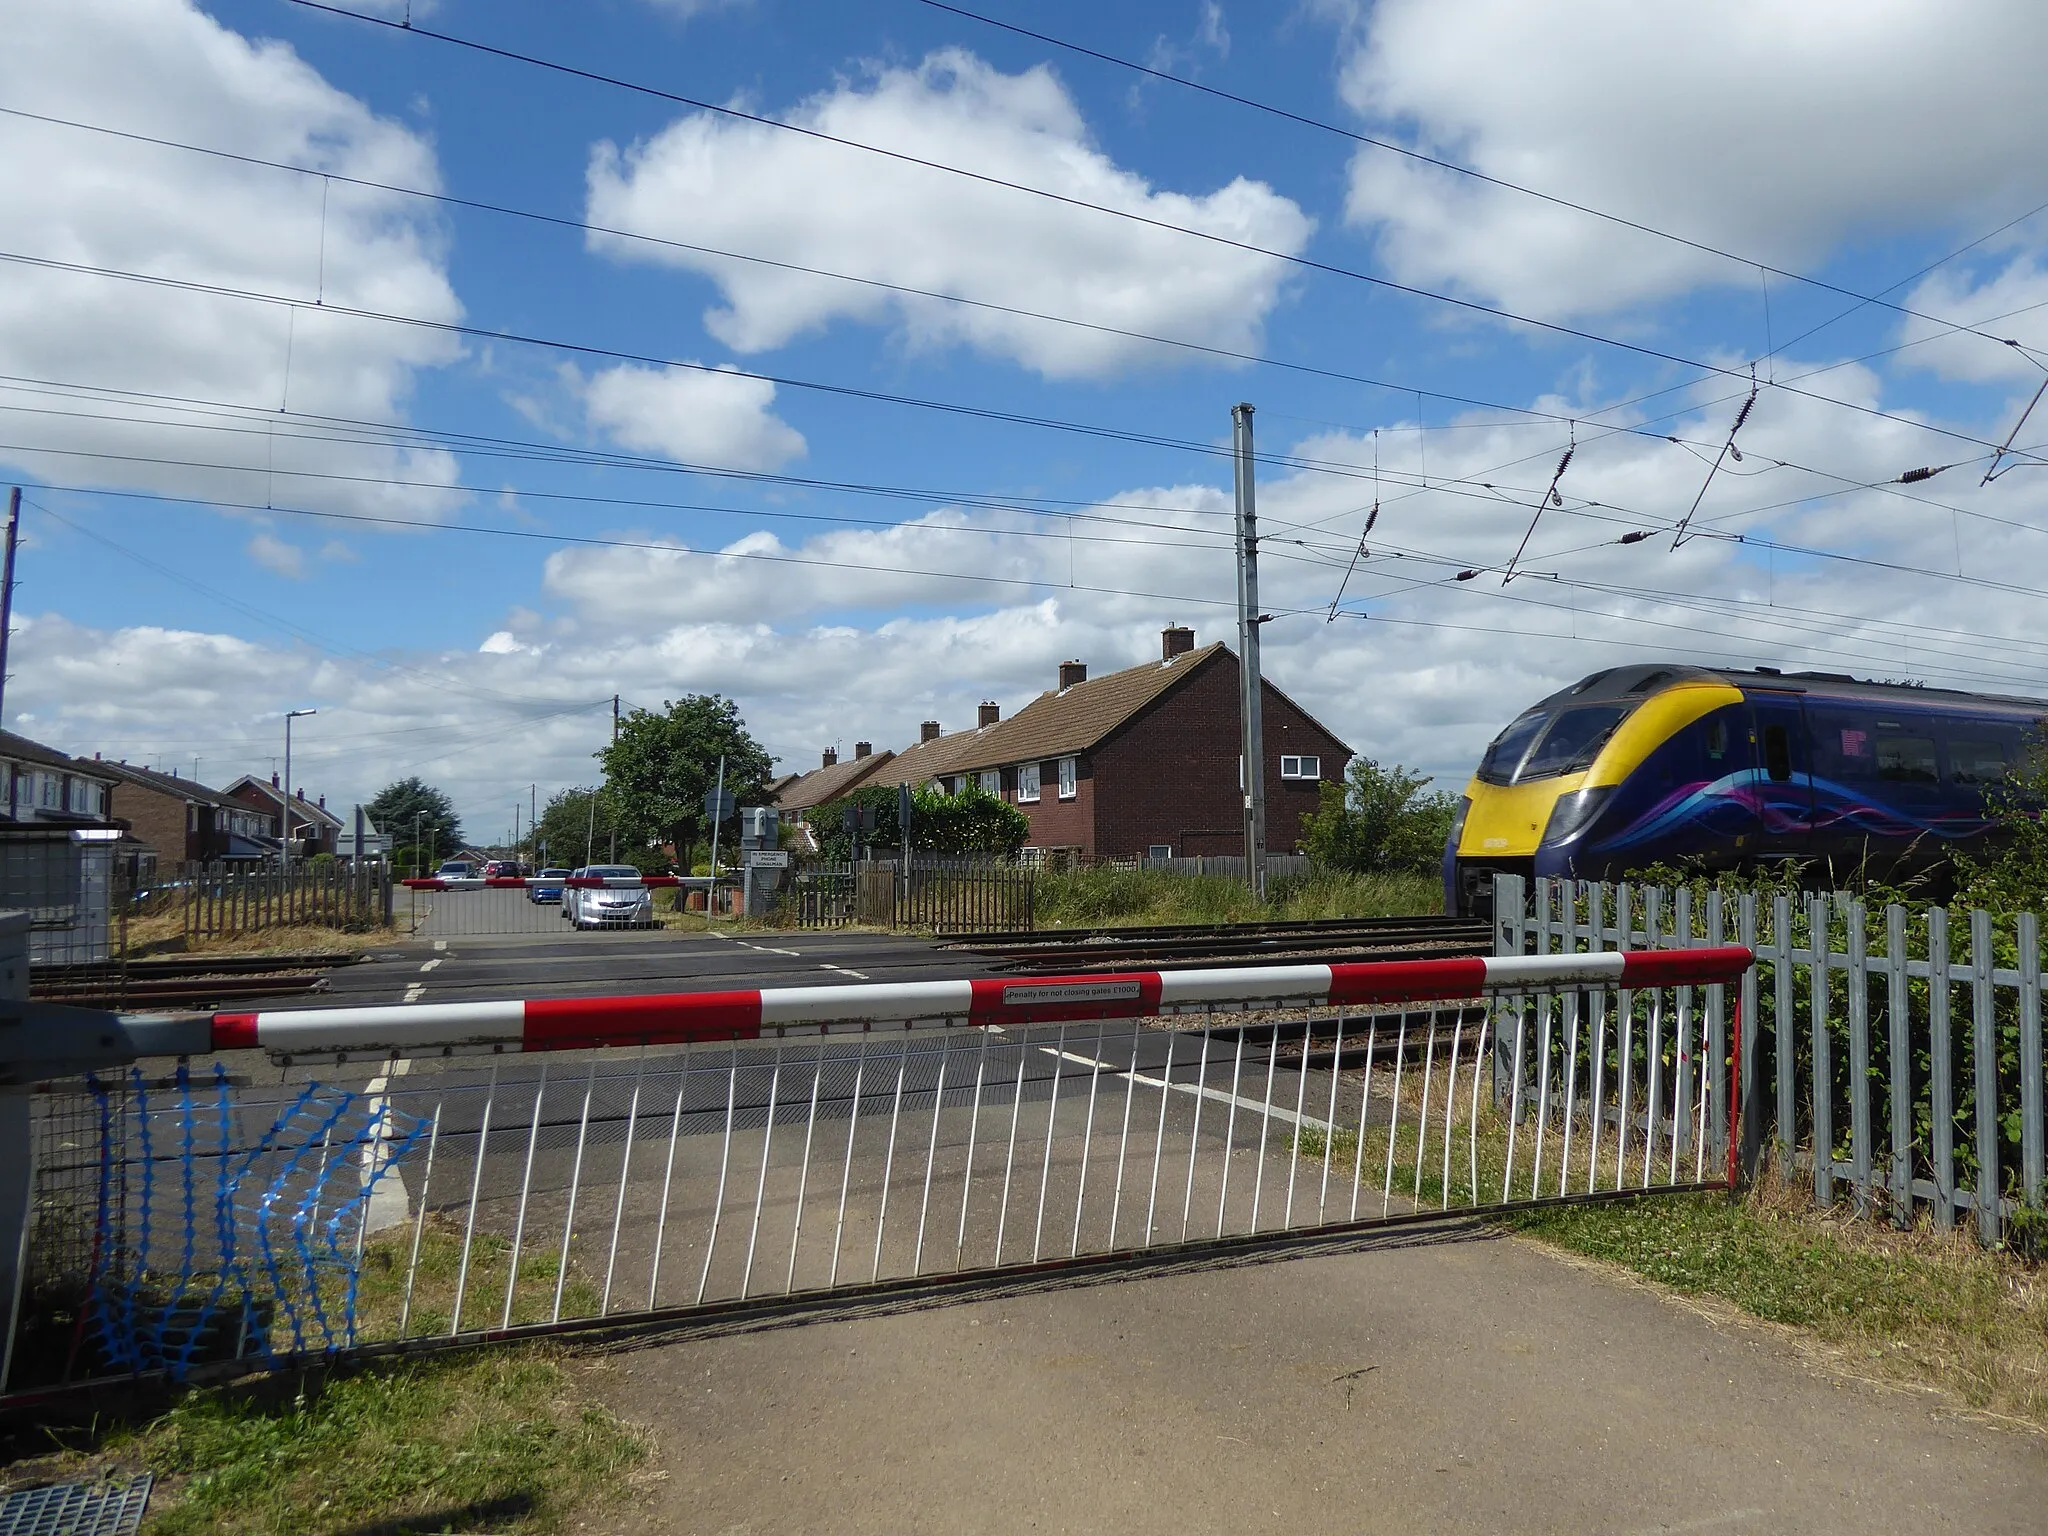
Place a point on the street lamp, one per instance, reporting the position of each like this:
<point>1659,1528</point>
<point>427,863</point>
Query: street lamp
<point>416,818</point>
<point>284,822</point>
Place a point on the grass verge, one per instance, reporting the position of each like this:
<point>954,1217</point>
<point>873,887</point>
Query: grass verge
<point>1150,898</point>
<point>502,1441</point>
<point>1917,1308</point>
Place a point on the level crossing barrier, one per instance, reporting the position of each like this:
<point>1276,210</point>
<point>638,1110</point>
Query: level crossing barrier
<point>422,1175</point>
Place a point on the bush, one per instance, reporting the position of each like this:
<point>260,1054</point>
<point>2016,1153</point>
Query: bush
<point>1379,819</point>
<point>971,822</point>
<point>1146,897</point>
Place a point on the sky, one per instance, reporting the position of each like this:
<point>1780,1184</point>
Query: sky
<point>450,369</point>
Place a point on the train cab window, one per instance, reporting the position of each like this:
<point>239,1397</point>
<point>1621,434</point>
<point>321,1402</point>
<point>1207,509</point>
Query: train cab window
<point>1906,759</point>
<point>1975,761</point>
<point>1574,739</point>
<point>1777,754</point>
<point>1510,747</point>
<point>1717,740</point>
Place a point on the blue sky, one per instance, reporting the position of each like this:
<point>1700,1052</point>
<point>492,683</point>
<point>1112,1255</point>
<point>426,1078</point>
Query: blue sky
<point>454,634</point>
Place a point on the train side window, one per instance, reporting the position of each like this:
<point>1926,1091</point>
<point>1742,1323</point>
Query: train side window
<point>1777,754</point>
<point>1975,761</point>
<point>1906,759</point>
<point>1717,740</point>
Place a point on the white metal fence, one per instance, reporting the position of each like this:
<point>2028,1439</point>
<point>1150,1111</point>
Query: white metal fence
<point>1893,1053</point>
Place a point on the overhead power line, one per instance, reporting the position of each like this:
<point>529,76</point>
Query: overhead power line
<point>413,29</point>
<point>1394,147</point>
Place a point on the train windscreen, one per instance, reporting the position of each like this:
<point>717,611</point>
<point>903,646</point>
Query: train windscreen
<point>1541,746</point>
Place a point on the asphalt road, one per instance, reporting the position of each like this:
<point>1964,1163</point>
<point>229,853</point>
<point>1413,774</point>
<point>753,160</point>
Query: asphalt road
<point>557,962</point>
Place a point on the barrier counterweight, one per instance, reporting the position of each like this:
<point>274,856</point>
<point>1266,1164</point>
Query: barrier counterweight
<point>426,1174</point>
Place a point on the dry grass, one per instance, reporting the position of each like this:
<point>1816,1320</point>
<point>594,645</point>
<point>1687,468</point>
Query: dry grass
<point>1910,1308</point>
<point>166,936</point>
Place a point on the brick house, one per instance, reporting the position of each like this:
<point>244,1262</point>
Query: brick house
<point>180,820</point>
<point>802,793</point>
<point>1140,762</point>
<point>314,829</point>
<point>41,784</point>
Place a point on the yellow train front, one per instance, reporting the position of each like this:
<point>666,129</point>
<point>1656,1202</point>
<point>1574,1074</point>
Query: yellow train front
<point>1711,769</point>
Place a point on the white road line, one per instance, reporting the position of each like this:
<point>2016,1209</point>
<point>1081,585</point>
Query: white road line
<point>769,949</point>
<point>390,1203</point>
<point>413,991</point>
<point>440,943</point>
<point>842,970</point>
<point>1285,1116</point>
<point>430,965</point>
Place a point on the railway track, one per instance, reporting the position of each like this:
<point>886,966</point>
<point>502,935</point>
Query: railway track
<point>1081,950</point>
<point>183,980</point>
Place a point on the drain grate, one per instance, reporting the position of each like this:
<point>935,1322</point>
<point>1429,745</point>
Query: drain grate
<point>76,1509</point>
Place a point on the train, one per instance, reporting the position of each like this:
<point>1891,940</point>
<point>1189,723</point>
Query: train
<point>1714,769</point>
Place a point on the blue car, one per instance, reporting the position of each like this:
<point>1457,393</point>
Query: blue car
<point>546,886</point>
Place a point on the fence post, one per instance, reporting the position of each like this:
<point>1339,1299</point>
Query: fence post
<point>2030,1059</point>
<point>1784,1026</point>
<point>1716,1071</point>
<point>1941,1081</point>
<point>17,1147</point>
<point>1859,1052</point>
<point>1984,1059</point>
<point>1819,936</point>
<point>1899,1076</point>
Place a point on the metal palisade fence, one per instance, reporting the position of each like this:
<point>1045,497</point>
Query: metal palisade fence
<point>1894,1054</point>
<point>219,900</point>
<point>432,1174</point>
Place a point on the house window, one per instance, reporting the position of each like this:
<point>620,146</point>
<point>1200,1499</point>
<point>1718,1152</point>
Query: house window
<point>1301,767</point>
<point>992,781</point>
<point>1159,851</point>
<point>1027,783</point>
<point>47,789</point>
<point>1070,777</point>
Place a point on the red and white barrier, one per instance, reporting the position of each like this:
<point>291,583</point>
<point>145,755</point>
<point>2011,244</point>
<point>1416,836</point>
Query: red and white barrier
<point>582,1023</point>
<point>574,883</point>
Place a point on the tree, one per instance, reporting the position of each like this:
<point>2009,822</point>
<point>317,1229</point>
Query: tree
<point>409,803</point>
<point>664,764</point>
<point>576,825</point>
<point>971,822</point>
<point>1380,818</point>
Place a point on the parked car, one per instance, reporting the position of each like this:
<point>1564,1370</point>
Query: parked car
<point>455,869</point>
<point>504,869</point>
<point>602,907</point>
<point>547,886</point>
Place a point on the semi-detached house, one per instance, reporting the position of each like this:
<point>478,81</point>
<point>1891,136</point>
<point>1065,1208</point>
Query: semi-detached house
<point>1140,762</point>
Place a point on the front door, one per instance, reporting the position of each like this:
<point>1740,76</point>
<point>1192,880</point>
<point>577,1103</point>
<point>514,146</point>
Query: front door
<point>1783,783</point>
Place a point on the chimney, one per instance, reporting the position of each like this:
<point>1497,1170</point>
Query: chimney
<point>1072,672</point>
<point>273,781</point>
<point>323,802</point>
<point>831,757</point>
<point>929,731</point>
<point>1175,640</point>
<point>302,792</point>
<point>989,713</point>
<point>863,749</point>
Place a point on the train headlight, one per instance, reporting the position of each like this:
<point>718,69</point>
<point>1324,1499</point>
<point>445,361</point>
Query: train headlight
<point>1458,824</point>
<point>1573,813</point>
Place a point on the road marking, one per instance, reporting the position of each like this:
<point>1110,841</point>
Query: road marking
<point>440,943</point>
<point>1201,1090</point>
<point>842,970</point>
<point>769,949</point>
<point>390,1202</point>
<point>430,965</point>
<point>413,991</point>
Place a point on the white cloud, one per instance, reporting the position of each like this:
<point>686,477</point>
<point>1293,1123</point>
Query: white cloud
<point>760,191</point>
<point>870,644</point>
<point>162,67</point>
<point>2012,304</point>
<point>1772,130</point>
<point>722,419</point>
<point>683,10</point>
<point>278,557</point>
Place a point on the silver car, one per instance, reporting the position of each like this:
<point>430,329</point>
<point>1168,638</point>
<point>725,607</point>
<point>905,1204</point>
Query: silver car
<point>603,907</point>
